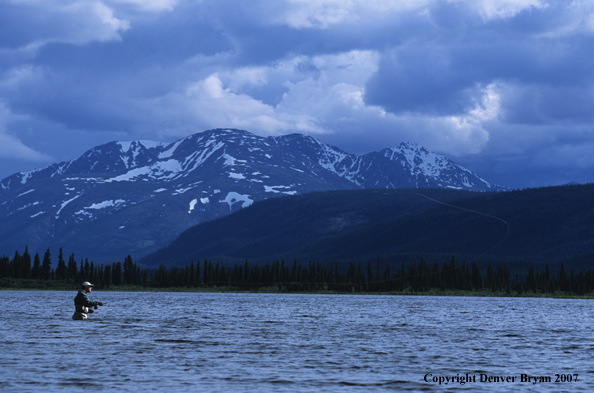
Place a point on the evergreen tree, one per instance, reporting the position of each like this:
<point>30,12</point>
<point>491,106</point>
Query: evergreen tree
<point>246,272</point>
<point>36,270</point>
<point>72,269</point>
<point>129,271</point>
<point>87,270</point>
<point>100,275</point>
<point>107,276</point>
<point>562,279</point>
<point>377,286</point>
<point>490,280</point>
<point>81,272</point>
<point>26,264</point>
<point>15,265</point>
<point>4,267</point>
<point>531,280</point>
<point>369,276</point>
<point>61,270</point>
<point>117,273</point>
<point>162,277</point>
<point>92,277</point>
<point>192,279</point>
<point>477,277</point>
<point>544,281</point>
<point>208,272</point>
<point>46,267</point>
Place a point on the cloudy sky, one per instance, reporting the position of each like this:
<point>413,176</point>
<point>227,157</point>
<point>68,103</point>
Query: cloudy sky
<point>503,87</point>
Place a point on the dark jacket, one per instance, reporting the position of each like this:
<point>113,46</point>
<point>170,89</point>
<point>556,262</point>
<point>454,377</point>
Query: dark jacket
<point>82,300</point>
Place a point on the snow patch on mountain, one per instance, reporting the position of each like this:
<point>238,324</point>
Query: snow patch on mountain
<point>84,212</point>
<point>234,197</point>
<point>124,146</point>
<point>466,182</point>
<point>230,160</point>
<point>64,204</point>
<point>330,157</point>
<point>105,204</point>
<point>130,175</point>
<point>199,157</point>
<point>171,167</point>
<point>170,150</point>
<point>236,176</point>
<point>26,192</point>
<point>193,203</point>
<point>161,170</point>
<point>418,159</point>
<point>274,190</point>
<point>29,205</point>
<point>26,176</point>
<point>182,190</point>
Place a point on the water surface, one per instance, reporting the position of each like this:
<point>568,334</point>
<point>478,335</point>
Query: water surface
<point>290,342</point>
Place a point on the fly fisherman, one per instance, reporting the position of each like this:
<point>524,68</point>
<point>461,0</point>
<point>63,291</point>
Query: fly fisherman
<point>82,303</point>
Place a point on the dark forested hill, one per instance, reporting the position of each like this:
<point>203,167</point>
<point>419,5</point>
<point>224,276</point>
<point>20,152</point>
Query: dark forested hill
<point>537,226</point>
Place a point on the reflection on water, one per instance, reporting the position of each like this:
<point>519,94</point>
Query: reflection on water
<point>283,342</point>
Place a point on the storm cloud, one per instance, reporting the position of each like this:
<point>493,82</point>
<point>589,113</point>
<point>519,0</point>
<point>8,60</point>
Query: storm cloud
<point>504,87</point>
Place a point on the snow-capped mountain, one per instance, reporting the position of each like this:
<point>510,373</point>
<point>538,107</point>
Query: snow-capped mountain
<point>136,197</point>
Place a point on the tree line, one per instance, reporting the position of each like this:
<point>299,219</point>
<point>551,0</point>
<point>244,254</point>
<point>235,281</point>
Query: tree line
<point>293,277</point>
<point>105,276</point>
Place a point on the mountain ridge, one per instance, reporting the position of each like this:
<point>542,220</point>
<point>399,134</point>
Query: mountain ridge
<point>133,197</point>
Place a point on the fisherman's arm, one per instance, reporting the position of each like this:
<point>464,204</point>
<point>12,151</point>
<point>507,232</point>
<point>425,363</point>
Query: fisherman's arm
<point>94,304</point>
<point>87,303</point>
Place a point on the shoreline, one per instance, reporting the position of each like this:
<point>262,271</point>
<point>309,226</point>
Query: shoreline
<point>29,285</point>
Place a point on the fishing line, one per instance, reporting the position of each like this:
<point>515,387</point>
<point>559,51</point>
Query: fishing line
<point>475,212</point>
<point>507,226</point>
<point>472,260</point>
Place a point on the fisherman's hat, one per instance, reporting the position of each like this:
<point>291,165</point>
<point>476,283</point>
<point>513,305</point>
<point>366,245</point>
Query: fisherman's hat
<point>87,284</point>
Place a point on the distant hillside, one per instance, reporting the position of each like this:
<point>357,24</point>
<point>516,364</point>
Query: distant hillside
<point>546,225</point>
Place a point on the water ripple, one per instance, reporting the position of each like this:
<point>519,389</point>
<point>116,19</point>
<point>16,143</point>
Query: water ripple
<point>286,343</point>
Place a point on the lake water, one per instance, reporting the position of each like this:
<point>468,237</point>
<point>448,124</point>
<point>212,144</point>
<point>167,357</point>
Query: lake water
<point>222,342</point>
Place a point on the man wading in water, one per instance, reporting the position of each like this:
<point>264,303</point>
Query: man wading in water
<point>83,304</point>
